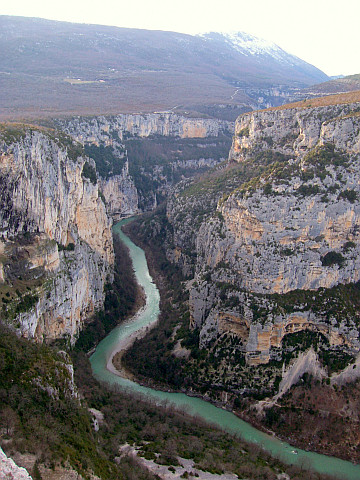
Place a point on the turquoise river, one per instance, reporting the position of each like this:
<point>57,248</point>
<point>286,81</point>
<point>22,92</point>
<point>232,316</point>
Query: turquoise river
<point>224,419</point>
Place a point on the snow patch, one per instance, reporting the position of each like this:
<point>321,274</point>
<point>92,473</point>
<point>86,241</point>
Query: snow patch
<point>250,45</point>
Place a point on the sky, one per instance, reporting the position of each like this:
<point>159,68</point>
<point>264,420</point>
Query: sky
<point>324,33</point>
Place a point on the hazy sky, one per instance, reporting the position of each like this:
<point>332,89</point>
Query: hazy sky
<point>325,33</point>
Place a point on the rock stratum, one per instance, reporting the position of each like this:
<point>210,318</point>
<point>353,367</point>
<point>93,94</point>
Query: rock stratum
<point>56,243</point>
<point>270,243</point>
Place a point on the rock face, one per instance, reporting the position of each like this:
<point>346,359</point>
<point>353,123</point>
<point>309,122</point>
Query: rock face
<point>294,131</point>
<point>10,471</point>
<point>290,225</point>
<point>120,194</point>
<point>56,243</point>
<point>108,129</point>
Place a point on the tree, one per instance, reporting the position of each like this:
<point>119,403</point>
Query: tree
<point>8,420</point>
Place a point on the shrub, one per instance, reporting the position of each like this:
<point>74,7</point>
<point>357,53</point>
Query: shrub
<point>244,132</point>
<point>268,189</point>
<point>348,246</point>
<point>349,195</point>
<point>307,190</point>
<point>89,173</point>
<point>332,258</point>
<point>69,248</point>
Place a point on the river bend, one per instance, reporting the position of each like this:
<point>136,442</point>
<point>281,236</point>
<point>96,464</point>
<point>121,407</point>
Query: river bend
<point>195,406</point>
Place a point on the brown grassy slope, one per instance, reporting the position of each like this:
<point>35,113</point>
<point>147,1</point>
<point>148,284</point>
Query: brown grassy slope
<point>38,97</point>
<point>339,85</point>
<point>320,418</point>
<point>338,99</point>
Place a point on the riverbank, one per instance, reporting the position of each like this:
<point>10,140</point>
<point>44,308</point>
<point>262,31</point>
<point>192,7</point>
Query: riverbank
<point>114,364</point>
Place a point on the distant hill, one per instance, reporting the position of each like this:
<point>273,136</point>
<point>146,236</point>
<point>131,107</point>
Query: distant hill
<point>337,85</point>
<point>50,67</point>
<point>352,96</point>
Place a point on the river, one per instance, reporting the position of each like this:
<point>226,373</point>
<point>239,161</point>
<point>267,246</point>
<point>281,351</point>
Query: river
<point>195,406</point>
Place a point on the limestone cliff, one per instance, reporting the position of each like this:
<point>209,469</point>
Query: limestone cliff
<point>121,196</point>
<point>56,243</point>
<point>294,131</point>
<point>113,128</point>
<point>271,243</point>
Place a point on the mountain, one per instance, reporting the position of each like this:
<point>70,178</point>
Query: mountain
<point>52,67</point>
<point>275,60</point>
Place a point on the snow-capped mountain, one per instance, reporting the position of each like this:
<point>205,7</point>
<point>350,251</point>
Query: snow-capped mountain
<point>68,67</point>
<point>252,46</point>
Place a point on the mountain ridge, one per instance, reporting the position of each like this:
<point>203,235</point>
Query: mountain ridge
<point>51,66</point>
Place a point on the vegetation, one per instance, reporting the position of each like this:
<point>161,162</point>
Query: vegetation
<point>22,286</point>
<point>156,161</point>
<point>73,148</point>
<point>108,161</point>
<point>332,258</point>
<point>122,299</point>
<point>70,247</point>
<point>11,133</point>
<point>319,416</point>
<point>38,413</point>
<point>89,172</point>
<point>323,156</point>
<point>349,195</point>
<point>337,303</point>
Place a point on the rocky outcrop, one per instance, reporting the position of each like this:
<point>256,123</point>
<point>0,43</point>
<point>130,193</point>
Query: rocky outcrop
<point>294,131</point>
<point>10,471</point>
<point>121,196</point>
<point>56,239</point>
<point>283,240</point>
<point>305,363</point>
<point>291,223</point>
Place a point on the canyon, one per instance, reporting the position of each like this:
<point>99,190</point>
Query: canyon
<point>283,217</point>
<point>57,211</point>
<point>266,239</point>
<point>250,223</point>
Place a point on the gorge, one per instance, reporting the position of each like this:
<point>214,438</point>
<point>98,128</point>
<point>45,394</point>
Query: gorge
<point>265,245</point>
